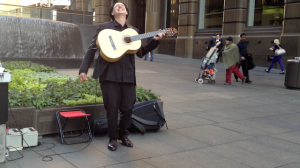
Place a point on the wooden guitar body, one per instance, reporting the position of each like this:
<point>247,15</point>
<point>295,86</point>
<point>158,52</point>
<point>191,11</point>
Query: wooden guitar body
<point>112,46</point>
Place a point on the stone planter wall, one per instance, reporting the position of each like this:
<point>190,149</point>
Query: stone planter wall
<point>45,120</point>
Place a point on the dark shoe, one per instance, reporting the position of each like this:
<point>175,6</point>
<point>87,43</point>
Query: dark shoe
<point>244,80</point>
<point>248,82</point>
<point>267,70</point>
<point>282,72</point>
<point>126,142</point>
<point>226,83</point>
<point>236,80</point>
<point>112,145</point>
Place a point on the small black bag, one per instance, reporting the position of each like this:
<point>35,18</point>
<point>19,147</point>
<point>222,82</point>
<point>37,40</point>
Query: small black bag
<point>148,116</point>
<point>100,124</point>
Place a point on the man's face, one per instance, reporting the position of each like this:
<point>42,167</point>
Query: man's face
<point>119,8</point>
<point>217,36</point>
<point>243,38</point>
<point>227,42</point>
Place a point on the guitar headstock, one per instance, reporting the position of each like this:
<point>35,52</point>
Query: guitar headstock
<point>170,31</point>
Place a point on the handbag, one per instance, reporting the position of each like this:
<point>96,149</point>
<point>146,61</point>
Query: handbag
<point>279,51</point>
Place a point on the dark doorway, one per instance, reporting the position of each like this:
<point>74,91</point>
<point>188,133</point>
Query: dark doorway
<point>140,15</point>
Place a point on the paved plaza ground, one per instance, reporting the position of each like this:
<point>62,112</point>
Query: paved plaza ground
<point>210,126</point>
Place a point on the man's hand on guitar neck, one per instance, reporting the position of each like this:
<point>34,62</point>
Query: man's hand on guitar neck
<point>83,77</point>
<point>159,36</point>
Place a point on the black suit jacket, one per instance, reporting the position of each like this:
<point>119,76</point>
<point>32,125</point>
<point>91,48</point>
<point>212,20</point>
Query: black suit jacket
<point>211,42</point>
<point>220,47</point>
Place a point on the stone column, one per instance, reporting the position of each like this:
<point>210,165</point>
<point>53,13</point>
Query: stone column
<point>187,24</point>
<point>234,18</point>
<point>102,11</point>
<point>131,6</point>
<point>290,38</point>
<point>153,15</point>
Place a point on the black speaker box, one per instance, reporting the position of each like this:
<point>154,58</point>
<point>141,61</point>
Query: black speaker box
<point>3,103</point>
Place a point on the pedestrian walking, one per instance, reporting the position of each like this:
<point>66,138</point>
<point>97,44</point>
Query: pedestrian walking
<point>242,45</point>
<point>231,58</point>
<point>276,58</point>
<point>211,42</point>
<point>220,46</point>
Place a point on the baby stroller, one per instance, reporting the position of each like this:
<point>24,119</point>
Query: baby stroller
<point>208,69</point>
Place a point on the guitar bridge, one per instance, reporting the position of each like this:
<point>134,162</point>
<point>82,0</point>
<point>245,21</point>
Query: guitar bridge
<point>112,43</point>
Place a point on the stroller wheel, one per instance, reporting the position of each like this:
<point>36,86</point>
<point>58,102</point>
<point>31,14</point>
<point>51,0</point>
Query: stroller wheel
<point>196,79</point>
<point>213,82</point>
<point>200,81</point>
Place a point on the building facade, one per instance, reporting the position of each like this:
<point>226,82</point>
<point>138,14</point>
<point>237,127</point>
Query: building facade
<point>196,20</point>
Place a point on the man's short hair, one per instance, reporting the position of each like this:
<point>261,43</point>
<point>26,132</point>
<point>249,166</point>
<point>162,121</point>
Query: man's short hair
<point>243,34</point>
<point>112,8</point>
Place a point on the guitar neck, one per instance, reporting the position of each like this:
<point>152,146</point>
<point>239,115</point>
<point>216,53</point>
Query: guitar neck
<point>146,35</point>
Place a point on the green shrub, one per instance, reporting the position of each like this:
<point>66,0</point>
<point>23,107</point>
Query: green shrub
<point>12,65</point>
<point>52,76</point>
<point>144,94</point>
<point>87,99</point>
<point>40,89</point>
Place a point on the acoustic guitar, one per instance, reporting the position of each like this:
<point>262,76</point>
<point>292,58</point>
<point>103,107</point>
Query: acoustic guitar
<point>114,44</point>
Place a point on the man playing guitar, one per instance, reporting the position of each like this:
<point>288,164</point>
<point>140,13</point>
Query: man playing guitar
<point>117,79</point>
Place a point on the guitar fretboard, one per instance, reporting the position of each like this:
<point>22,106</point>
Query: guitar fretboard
<point>146,35</point>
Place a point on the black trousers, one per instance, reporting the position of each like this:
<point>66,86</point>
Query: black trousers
<point>245,69</point>
<point>118,96</point>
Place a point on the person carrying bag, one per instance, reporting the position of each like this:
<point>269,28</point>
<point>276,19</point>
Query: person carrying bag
<point>278,52</point>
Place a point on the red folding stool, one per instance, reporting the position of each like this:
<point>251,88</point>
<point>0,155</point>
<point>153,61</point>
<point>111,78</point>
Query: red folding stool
<point>73,114</point>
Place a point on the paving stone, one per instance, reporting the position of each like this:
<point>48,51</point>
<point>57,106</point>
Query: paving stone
<point>9,164</point>
<point>268,125</point>
<point>191,119</point>
<point>171,161</point>
<point>254,154</point>
<point>210,116</point>
<point>243,130</point>
<point>153,146</point>
<point>293,136</point>
<point>278,144</point>
<point>180,141</point>
<point>291,165</point>
<point>212,135</point>
<point>32,159</point>
<point>134,164</point>
<point>175,123</point>
<point>89,157</point>
<point>293,119</point>
<point>122,154</point>
<point>194,158</point>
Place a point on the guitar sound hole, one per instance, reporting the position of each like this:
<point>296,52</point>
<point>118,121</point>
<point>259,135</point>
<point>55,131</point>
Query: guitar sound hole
<point>127,39</point>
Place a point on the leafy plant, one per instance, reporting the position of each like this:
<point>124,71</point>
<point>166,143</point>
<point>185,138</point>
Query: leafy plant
<point>41,89</point>
<point>12,65</point>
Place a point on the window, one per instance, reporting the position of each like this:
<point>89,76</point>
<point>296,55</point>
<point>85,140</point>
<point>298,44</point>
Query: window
<point>268,12</point>
<point>213,13</point>
<point>172,13</point>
